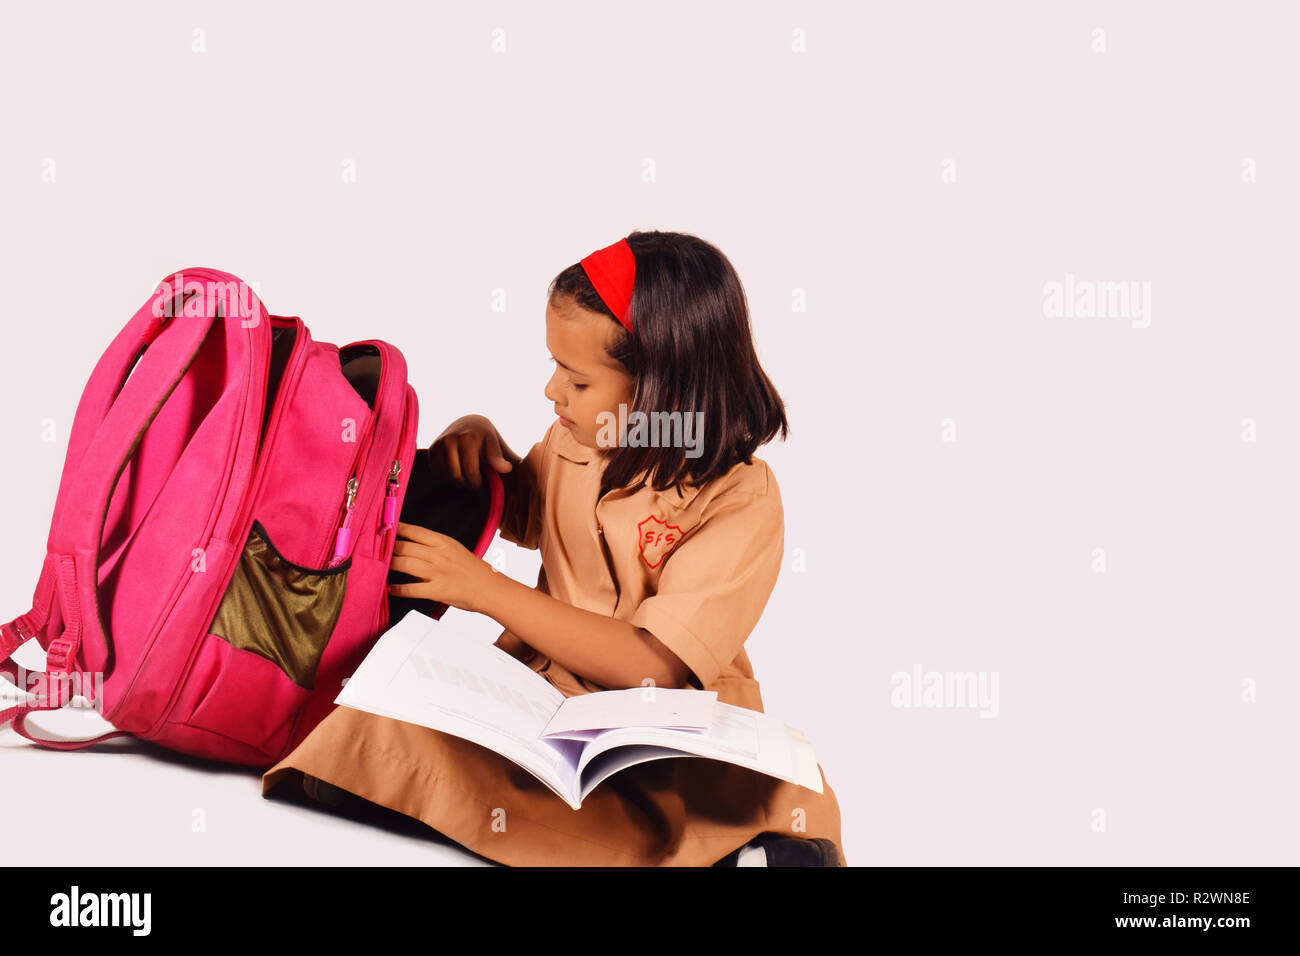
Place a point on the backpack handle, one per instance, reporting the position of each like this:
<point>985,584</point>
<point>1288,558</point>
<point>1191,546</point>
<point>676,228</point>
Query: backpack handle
<point>110,373</point>
<point>113,416</point>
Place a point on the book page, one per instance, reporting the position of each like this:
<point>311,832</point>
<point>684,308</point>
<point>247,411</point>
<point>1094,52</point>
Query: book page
<point>675,708</point>
<point>736,735</point>
<point>423,673</point>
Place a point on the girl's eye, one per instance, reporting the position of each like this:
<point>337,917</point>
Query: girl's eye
<point>553,361</point>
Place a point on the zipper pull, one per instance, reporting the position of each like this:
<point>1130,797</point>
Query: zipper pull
<point>343,538</point>
<point>390,498</point>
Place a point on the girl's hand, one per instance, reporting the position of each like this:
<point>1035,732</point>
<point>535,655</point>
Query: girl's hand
<point>448,571</point>
<point>468,445</point>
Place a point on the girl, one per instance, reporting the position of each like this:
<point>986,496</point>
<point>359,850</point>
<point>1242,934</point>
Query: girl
<point>657,560</point>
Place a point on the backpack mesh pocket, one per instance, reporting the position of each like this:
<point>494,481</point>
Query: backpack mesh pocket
<point>283,611</point>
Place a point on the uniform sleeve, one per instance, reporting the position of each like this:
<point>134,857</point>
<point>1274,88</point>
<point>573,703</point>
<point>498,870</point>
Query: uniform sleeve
<point>521,518</point>
<point>716,582</point>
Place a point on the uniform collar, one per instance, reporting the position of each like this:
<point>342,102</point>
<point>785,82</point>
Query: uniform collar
<point>570,449</point>
<point>566,446</point>
<point>676,499</point>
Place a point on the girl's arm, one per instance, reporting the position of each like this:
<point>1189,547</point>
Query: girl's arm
<point>602,649</point>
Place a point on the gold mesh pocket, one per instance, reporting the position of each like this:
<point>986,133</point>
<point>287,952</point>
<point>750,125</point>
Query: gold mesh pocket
<point>281,610</point>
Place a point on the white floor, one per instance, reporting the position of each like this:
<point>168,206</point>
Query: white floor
<point>126,801</point>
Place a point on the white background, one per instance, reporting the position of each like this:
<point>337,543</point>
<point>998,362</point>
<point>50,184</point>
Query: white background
<point>818,173</point>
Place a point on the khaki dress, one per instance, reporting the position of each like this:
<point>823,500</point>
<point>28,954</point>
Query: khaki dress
<point>695,569</point>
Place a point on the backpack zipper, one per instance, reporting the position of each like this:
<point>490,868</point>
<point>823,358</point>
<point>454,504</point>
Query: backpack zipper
<point>343,537</point>
<point>390,497</point>
<point>389,515</point>
<point>410,414</point>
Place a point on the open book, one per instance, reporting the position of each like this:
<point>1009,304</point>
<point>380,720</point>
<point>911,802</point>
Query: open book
<point>422,672</point>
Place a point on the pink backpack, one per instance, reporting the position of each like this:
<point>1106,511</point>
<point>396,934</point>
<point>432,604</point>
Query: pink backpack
<point>218,557</point>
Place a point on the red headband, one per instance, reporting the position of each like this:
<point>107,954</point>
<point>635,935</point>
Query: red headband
<point>612,271</point>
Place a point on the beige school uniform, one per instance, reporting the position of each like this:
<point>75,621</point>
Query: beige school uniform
<point>695,570</point>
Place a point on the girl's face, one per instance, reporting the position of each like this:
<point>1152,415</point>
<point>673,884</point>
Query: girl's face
<point>586,380</point>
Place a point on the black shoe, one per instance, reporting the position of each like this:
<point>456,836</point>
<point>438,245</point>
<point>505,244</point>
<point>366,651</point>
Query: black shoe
<point>788,851</point>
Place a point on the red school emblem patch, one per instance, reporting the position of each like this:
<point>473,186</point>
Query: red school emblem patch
<point>656,538</point>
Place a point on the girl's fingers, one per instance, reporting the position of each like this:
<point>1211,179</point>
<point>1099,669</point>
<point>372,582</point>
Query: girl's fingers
<point>420,542</point>
<point>415,567</point>
<point>418,533</point>
<point>437,458</point>
<point>470,461</point>
<point>495,456</point>
<point>453,458</point>
<point>413,549</point>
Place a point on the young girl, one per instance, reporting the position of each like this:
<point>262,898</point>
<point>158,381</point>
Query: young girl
<point>657,561</point>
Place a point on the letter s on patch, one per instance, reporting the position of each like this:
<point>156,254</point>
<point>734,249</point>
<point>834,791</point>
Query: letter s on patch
<point>655,538</point>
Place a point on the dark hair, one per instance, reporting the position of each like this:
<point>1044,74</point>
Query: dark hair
<point>692,351</point>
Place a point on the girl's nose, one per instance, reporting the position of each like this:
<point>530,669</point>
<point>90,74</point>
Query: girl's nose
<point>552,391</point>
